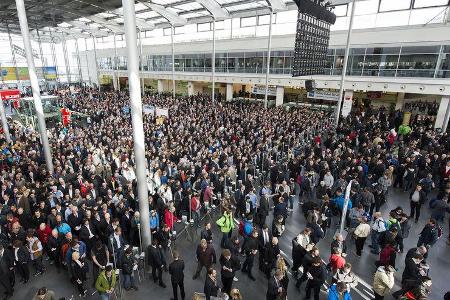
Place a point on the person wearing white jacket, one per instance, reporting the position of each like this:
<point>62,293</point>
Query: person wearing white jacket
<point>328,179</point>
<point>361,233</point>
<point>383,281</point>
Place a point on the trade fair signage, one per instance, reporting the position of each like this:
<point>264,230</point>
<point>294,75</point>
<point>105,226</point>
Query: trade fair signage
<point>323,95</point>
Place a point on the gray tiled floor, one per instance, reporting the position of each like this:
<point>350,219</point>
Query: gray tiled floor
<point>364,267</point>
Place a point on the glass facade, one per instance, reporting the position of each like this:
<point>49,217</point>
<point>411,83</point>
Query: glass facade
<point>404,61</point>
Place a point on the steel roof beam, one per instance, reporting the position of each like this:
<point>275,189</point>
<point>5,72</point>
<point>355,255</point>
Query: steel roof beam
<point>170,16</point>
<point>214,8</point>
<point>85,27</point>
<point>276,5</point>
<point>105,23</point>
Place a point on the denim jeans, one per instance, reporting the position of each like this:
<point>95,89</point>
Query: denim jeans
<point>128,281</point>
<point>105,296</point>
<point>375,235</point>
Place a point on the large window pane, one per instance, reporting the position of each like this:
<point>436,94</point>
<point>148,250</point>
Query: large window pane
<point>418,61</point>
<point>396,18</point>
<point>427,15</point>
<point>420,49</point>
<point>389,5</point>
<point>428,3</point>
<point>366,7</point>
<point>247,22</point>
<point>341,10</point>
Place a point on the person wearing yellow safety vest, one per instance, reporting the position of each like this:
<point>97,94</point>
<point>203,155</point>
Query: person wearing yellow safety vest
<point>226,224</point>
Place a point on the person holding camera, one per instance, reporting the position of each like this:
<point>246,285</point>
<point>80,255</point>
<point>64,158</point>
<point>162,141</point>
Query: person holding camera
<point>106,282</point>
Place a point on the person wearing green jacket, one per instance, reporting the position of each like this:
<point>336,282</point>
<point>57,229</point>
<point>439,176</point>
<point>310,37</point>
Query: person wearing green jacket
<point>106,282</point>
<point>226,224</point>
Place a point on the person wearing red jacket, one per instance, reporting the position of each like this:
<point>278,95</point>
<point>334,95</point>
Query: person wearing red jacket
<point>44,232</point>
<point>195,209</point>
<point>169,217</point>
<point>387,256</point>
<point>336,262</point>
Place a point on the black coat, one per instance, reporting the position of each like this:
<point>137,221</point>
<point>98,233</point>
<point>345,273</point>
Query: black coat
<point>272,289</point>
<point>210,289</point>
<point>232,263</point>
<point>155,258</point>
<point>176,271</point>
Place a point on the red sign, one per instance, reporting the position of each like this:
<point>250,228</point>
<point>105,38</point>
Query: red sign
<point>65,116</point>
<point>9,94</point>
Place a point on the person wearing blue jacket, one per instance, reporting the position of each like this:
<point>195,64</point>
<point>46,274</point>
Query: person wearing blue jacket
<point>154,221</point>
<point>339,201</point>
<point>338,291</point>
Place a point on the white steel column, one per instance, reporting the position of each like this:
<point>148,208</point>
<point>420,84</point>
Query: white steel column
<point>115,66</point>
<point>213,61</point>
<point>34,83</point>
<point>4,122</point>
<point>269,48</point>
<point>172,32</point>
<point>55,62</point>
<point>80,73</point>
<point>129,16</point>
<point>96,63</point>
<point>344,67</point>
<point>141,59</point>
<point>87,62</point>
<point>44,65</point>
<point>19,84</point>
<point>66,59</point>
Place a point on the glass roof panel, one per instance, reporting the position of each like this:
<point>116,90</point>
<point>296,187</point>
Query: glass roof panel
<point>165,2</point>
<point>147,15</point>
<point>428,3</point>
<point>187,6</point>
<point>244,6</point>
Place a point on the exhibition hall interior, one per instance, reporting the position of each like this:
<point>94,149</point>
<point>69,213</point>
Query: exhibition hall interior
<point>225,149</point>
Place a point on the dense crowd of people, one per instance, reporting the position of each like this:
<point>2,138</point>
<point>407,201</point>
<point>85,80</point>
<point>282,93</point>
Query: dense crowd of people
<point>252,164</point>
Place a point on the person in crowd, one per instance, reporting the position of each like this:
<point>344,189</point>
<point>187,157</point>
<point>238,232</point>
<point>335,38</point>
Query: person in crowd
<point>100,259</point>
<point>346,276</point>
<point>105,283</point>
<point>299,244</point>
<point>338,291</point>
<point>21,259</point>
<point>429,235</point>
<point>250,248</point>
<point>229,266</point>
<point>156,261</point>
<point>378,227</point>
<point>79,272</point>
<point>275,288</point>
<point>36,250</point>
<point>44,294</point>
<point>383,281</point>
<point>206,257</point>
<point>264,241</point>
<point>417,199</point>
<point>226,224</point>
<point>235,294</point>
<point>176,271</point>
<point>128,267</point>
<point>316,277</point>
<point>361,233</point>
<point>207,233</point>
<point>211,288</point>
<point>7,276</point>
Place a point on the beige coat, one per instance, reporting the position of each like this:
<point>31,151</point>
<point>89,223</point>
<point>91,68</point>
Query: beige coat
<point>383,282</point>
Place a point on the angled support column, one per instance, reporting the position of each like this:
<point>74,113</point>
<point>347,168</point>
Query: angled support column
<point>87,62</point>
<point>172,32</point>
<point>344,67</point>
<point>96,64</point>
<point>34,83</point>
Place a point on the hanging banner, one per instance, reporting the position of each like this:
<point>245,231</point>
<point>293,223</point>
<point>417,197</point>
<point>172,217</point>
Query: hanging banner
<point>65,116</point>
<point>323,95</point>
<point>164,112</point>
<point>261,90</point>
<point>50,73</point>
<point>348,102</point>
<point>149,109</point>
<point>9,94</point>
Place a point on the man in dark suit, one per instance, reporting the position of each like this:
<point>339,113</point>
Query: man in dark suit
<point>155,260</point>
<point>75,220</point>
<point>275,287</point>
<point>7,278</point>
<point>264,240</point>
<point>263,210</point>
<point>176,271</point>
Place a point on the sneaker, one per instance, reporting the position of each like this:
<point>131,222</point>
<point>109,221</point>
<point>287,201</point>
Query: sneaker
<point>235,279</point>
